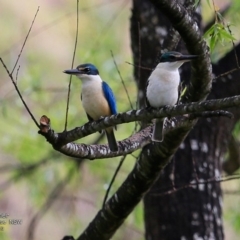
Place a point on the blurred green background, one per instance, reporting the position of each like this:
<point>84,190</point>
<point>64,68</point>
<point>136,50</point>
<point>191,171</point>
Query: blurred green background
<point>103,27</point>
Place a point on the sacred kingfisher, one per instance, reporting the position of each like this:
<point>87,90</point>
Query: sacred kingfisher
<point>163,86</point>
<point>97,97</point>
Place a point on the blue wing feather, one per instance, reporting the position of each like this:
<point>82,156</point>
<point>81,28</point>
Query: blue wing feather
<point>108,93</point>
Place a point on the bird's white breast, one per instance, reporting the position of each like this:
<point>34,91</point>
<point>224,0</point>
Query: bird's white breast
<point>93,99</point>
<point>162,87</point>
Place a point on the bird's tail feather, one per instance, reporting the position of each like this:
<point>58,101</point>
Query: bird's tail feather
<point>111,140</point>
<point>158,130</point>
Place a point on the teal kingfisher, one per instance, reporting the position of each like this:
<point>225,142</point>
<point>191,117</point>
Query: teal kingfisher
<point>163,86</point>
<point>97,97</point>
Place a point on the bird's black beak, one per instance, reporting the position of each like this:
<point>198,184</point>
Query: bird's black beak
<point>186,58</point>
<point>72,71</point>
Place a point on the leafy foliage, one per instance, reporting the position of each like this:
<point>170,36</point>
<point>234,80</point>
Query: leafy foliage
<point>218,33</point>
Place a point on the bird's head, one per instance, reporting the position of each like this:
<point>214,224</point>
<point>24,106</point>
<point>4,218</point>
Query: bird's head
<point>84,71</point>
<point>175,59</point>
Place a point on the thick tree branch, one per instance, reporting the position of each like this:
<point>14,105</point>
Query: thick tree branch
<point>155,156</point>
<point>63,142</point>
<point>181,169</point>
<point>201,80</point>
<point>138,182</point>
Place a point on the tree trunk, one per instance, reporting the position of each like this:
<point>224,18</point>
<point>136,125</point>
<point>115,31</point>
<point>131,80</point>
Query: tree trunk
<point>179,206</point>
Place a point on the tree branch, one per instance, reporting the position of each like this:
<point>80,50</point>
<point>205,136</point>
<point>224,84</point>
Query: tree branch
<point>201,80</point>
<point>63,142</point>
<point>70,78</point>
<point>19,94</point>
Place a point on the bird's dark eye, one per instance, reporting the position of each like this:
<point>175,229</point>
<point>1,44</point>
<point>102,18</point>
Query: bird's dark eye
<point>87,69</point>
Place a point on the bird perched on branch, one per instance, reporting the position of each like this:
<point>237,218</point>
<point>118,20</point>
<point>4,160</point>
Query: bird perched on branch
<point>163,86</point>
<point>97,97</point>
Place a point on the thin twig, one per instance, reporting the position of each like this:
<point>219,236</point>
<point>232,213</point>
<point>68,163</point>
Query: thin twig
<point>122,80</point>
<point>19,94</point>
<point>234,47</point>
<point>10,74</point>
<point>223,12</point>
<point>146,68</point>
<point>57,21</point>
<point>226,73</point>
<point>17,74</point>
<point>70,81</point>
<point>133,156</point>
<point>236,58</point>
<point>113,179</point>
<point>19,55</point>
<point>215,11</point>
<point>106,27</point>
<point>190,185</point>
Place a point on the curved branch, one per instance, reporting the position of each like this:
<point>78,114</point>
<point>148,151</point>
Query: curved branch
<point>62,142</point>
<point>201,81</point>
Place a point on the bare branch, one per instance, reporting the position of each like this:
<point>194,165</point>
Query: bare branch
<point>234,47</point>
<point>19,94</point>
<point>103,31</point>
<point>17,74</point>
<point>123,83</point>
<point>226,73</point>
<point>113,179</point>
<point>194,183</point>
<point>63,142</point>
<point>201,80</point>
<point>19,55</point>
<point>146,68</point>
<point>70,81</point>
<point>223,12</point>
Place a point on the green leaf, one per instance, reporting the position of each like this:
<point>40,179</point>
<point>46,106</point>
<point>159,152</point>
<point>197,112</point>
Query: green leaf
<point>183,91</point>
<point>217,33</point>
<point>209,32</point>
<point>226,35</point>
<point>213,41</point>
